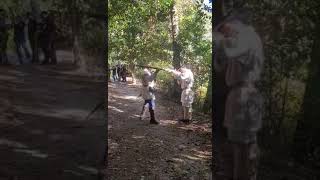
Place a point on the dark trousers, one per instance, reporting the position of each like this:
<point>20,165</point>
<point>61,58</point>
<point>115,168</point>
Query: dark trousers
<point>124,78</point>
<point>22,48</point>
<point>49,52</point>
<point>3,55</point>
<point>3,49</point>
<point>33,38</point>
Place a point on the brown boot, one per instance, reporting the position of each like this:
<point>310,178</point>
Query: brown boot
<point>152,119</point>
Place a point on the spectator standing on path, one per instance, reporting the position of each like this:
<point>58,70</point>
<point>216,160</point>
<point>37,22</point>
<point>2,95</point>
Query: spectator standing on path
<point>53,30</point>
<point>124,73</point>
<point>4,37</point>
<point>20,39</point>
<point>33,34</point>
<point>185,79</point>
<point>119,72</point>
<point>148,94</point>
<point>114,73</point>
<point>242,50</point>
<point>47,38</point>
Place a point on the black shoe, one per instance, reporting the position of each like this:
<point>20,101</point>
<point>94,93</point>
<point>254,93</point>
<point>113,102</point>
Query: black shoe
<point>186,121</point>
<point>154,122</point>
<point>152,118</point>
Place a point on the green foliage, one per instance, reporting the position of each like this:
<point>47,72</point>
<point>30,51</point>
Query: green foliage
<point>287,30</point>
<point>139,32</point>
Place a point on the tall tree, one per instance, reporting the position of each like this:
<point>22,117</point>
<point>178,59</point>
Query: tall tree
<point>219,90</point>
<point>307,132</point>
<point>75,27</point>
<point>176,48</point>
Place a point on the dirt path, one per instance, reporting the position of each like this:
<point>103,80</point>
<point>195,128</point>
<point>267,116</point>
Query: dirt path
<point>138,150</point>
<point>43,131</point>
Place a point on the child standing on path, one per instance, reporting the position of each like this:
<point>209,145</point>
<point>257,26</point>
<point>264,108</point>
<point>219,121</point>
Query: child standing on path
<point>147,93</point>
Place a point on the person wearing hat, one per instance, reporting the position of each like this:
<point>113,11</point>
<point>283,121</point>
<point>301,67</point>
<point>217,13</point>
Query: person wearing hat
<point>186,80</point>
<point>148,94</point>
<point>240,56</point>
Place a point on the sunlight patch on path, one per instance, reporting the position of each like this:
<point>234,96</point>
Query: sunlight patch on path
<point>75,114</point>
<point>167,122</point>
<point>192,157</point>
<point>21,148</point>
<point>115,109</point>
<point>137,137</point>
<point>12,143</point>
<point>89,169</point>
<point>126,97</point>
<point>33,153</point>
<point>73,172</point>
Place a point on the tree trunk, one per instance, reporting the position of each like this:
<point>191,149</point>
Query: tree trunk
<point>219,90</point>
<point>75,33</point>
<point>207,108</point>
<point>283,112</point>
<point>176,48</point>
<point>307,133</point>
<point>132,70</point>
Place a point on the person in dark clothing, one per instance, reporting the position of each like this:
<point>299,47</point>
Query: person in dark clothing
<point>20,39</point>
<point>47,38</point>
<point>33,33</point>
<point>4,36</point>
<point>52,37</point>
<point>114,73</point>
<point>124,73</point>
<point>119,72</point>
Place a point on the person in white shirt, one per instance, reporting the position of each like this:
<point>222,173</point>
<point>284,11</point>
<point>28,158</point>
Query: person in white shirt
<point>186,80</point>
<point>241,58</point>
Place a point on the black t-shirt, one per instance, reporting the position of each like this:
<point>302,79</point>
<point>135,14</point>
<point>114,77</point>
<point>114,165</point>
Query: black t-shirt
<point>32,26</point>
<point>19,31</point>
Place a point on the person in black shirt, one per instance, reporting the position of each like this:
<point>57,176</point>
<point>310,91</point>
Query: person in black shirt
<point>52,27</point>
<point>114,73</point>
<point>47,38</point>
<point>124,73</point>
<point>119,72</point>
<point>20,39</point>
<point>33,33</point>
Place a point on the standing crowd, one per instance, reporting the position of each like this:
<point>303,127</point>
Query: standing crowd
<point>119,72</point>
<point>41,34</point>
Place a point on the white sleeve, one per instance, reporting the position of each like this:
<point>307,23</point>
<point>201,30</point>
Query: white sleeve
<point>176,74</point>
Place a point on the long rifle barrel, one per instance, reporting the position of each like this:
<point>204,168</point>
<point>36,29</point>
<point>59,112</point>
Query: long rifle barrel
<point>150,67</point>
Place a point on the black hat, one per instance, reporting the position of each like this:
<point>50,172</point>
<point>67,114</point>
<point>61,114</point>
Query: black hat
<point>240,14</point>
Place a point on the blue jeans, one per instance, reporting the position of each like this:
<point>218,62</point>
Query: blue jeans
<point>151,103</point>
<point>21,45</point>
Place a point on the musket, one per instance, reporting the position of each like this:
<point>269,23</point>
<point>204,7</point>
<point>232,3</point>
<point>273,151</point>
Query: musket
<point>151,67</point>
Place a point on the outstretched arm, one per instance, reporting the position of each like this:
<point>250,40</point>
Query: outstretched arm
<point>176,74</point>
